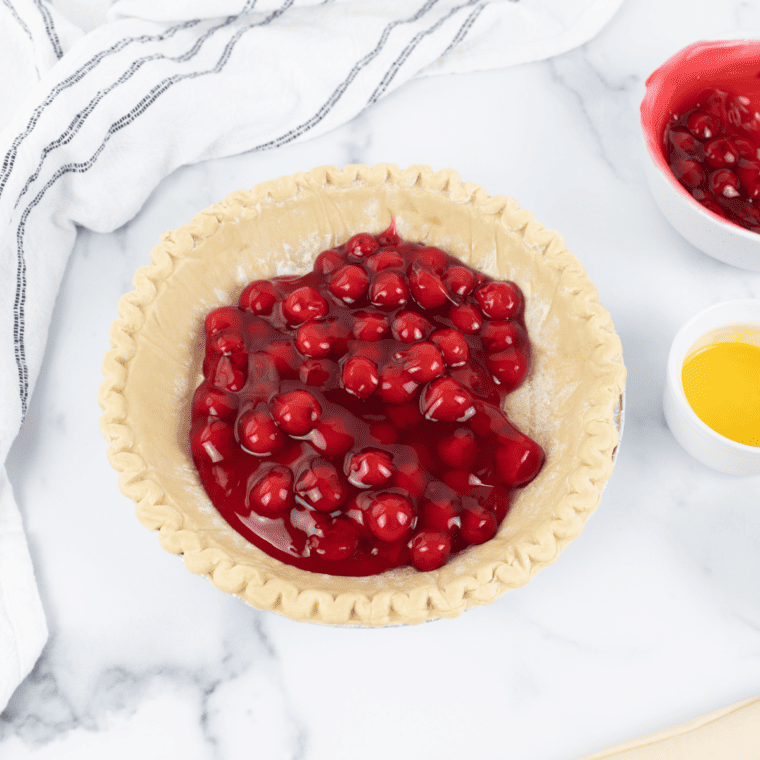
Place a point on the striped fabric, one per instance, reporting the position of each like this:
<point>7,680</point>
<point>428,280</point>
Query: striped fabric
<point>91,123</point>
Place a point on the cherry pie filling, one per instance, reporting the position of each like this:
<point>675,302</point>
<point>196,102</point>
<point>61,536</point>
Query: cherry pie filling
<point>712,150</point>
<point>351,420</point>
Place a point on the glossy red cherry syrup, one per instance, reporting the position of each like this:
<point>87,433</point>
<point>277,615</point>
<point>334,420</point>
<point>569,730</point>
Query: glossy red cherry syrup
<point>712,149</point>
<point>350,420</point>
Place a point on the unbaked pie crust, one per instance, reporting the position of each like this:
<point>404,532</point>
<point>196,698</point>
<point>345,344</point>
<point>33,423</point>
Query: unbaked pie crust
<point>571,402</point>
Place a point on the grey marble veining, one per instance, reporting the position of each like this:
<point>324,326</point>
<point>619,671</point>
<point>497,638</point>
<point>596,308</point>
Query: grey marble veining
<point>651,617</point>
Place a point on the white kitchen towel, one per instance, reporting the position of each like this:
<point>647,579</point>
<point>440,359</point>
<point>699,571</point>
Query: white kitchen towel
<point>91,123</point>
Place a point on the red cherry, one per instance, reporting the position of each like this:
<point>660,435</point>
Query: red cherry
<point>328,261</point>
<point>749,215</point>
<point>452,345</point>
<point>519,461</point>
<point>222,318</point>
<point>396,385</point>
<point>683,141</point>
<point>214,402</point>
<point>724,182</point>
<point>226,375</point>
<point>702,125</point>
<point>430,550</point>
<point>321,487</point>
<point>370,327</point>
<point>467,318</point>
<point>393,554</point>
<point>405,417</point>
<point>362,245</point>
<point>213,442</point>
<point>256,331</point>
<point>258,433</point>
<point>303,305</point>
<point>269,491</point>
<point>460,280</point>
<point>360,377</point>
<point>372,351</point>
<point>389,289</point>
<point>210,360</point>
<point>339,336</point>
<point>478,525</point>
<point>384,260</point>
<point>476,379</point>
<point>226,342</point>
<point>440,511</point>
<point>295,412</point>
<point>714,207</point>
<point>349,283</point>
<point>509,368</point>
<point>330,437</point>
<point>423,361</point>
<point>439,508</point>
<point>355,510</point>
<point>738,111</point>
<point>721,153</point>
<point>500,300</point>
<point>460,481</point>
<point>688,172</point>
<point>489,419</point>
<point>389,517</point>
<point>458,449</point>
<point>315,372</point>
<point>500,335</point>
<point>431,258</point>
<point>410,478</point>
<point>286,359</point>
<point>409,327</point>
<point>383,433</point>
<point>446,400</point>
<point>337,541</point>
<point>259,297</point>
<point>313,339</point>
<point>749,176</point>
<point>713,102</point>
<point>752,125</point>
<point>370,469</point>
<point>407,246</point>
<point>497,502</point>
<point>746,149</point>
<point>427,287</point>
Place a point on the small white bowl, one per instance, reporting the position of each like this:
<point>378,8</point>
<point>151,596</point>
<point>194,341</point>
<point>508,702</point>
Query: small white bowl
<point>701,441</point>
<point>725,64</point>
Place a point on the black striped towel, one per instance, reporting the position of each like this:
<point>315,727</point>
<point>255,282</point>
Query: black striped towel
<point>91,123</point>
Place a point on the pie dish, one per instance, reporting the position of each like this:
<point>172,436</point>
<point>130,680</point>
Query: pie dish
<point>571,402</point>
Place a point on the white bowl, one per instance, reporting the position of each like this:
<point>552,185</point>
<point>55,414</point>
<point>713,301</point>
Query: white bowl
<point>701,441</point>
<point>730,64</point>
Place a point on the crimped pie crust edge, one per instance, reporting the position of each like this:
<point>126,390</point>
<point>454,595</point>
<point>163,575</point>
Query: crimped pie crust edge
<point>401,597</point>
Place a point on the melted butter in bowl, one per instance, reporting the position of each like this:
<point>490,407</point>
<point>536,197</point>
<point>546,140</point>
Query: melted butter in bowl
<point>712,391</point>
<point>721,380</point>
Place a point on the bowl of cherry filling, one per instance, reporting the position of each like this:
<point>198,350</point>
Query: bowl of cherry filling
<point>701,123</point>
<point>363,396</point>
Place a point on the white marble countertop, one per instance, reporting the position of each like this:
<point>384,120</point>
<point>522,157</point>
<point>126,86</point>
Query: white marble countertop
<point>650,617</point>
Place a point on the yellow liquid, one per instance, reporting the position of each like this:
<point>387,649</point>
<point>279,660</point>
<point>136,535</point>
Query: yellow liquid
<point>722,384</point>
